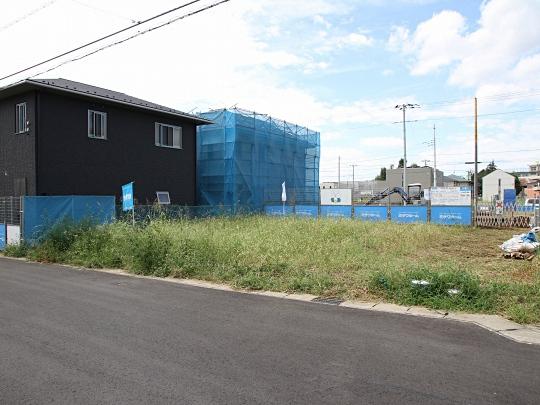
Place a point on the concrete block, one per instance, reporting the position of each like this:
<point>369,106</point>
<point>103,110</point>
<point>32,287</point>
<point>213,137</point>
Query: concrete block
<point>421,311</point>
<point>358,304</point>
<point>301,297</point>
<point>492,322</point>
<point>525,335</point>
<point>393,308</point>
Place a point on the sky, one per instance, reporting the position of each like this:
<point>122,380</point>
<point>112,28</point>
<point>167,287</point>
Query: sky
<point>335,66</point>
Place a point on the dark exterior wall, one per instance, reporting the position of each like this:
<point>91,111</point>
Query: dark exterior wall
<point>17,151</point>
<point>69,162</point>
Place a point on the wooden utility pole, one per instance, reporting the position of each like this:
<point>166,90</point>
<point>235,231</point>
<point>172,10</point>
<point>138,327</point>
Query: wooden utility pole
<point>475,183</point>
<point>339,172</point>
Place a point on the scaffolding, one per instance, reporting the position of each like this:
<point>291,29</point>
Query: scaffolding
<point>244,157</point>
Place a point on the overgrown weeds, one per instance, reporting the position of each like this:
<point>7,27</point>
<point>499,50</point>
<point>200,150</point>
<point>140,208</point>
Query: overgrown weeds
<point>344,258</point>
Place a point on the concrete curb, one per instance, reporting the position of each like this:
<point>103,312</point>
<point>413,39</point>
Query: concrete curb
<point>493,323</point>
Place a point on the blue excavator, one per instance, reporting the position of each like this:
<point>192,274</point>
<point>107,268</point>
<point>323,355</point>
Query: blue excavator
<point>413,195</point>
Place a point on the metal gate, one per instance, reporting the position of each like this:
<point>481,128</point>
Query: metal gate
<point>499,215</point>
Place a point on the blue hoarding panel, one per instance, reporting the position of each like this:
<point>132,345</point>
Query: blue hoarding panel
<point>336,211</point>
<point>370,213</point>
<point>307,211</point>
<point>408,214</point>
<point>277,210</point>
<point>3,236</point>
<point>451,215</point>
<point>42,213</point>
<point>509,196</point>
<point>127,197</point>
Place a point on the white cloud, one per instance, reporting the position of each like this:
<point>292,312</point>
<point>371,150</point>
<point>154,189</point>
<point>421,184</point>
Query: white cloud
<point>507,31</point>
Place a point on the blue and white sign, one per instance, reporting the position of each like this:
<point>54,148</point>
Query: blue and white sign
<point>336,211</point>
<point>3,236</point>
<point>278,210</point>
<point>307,211</point>
<point>370,213</point>
<point>408,214</point>
<point>127,197</point>
<point>451,215</point>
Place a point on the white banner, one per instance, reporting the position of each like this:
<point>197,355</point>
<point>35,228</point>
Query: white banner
<point>450,196</point>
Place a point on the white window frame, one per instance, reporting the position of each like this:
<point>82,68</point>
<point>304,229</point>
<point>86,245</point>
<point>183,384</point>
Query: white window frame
<point>92,114</point>
<point>21,118</point>
<point>176,135</point>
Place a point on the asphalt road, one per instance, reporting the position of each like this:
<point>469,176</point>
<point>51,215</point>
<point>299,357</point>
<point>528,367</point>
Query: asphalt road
<point>82,337</point>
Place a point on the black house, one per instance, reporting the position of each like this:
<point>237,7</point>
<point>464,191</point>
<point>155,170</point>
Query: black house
<point>59,137</point>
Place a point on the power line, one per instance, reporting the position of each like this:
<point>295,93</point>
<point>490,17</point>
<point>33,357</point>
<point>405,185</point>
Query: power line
<point>101,39</point>
<point>29,14</point>
<point>190,14</point>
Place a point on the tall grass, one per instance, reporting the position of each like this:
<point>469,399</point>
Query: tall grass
<point>342,258</point>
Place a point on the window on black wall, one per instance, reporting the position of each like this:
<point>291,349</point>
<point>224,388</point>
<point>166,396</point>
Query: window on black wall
<point>97,124</point>
<point>21,121</point>
<point>168,136</point>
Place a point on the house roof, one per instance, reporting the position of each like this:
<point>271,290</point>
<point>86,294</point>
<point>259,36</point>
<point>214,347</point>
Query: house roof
<point>453,177</point>
<point>86,90</point>
<point>499,173</point>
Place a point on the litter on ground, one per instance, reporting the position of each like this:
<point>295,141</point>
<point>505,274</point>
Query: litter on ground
<point>522,246</point>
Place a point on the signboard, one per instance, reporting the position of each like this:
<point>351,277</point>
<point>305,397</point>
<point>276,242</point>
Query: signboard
<point>127,197</point>
<point>451,215</point>
<point>499,207</point>
<point>370,213</point>
<point>407,214</point>
<point>278,210</point>
<point>450,196</point>
<point>2,236</point>
<point>307,211</point>
<point>336,212</point>
<point>336,196</point>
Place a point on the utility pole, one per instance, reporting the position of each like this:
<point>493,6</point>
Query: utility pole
<point>352,192</point>
<point>403,107</point>
<point>475,185</point>
<point>434,158</point>
<point>339,172</point>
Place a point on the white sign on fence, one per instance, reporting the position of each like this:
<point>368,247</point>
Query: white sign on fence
<point>336,196</point>
<point>450,196</point>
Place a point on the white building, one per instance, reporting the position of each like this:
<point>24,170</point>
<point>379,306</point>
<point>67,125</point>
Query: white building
<point>494,184</point>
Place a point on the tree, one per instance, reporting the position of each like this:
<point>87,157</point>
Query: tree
<point>400,164</point>
<point>381,175</point>
<point>517,184</point>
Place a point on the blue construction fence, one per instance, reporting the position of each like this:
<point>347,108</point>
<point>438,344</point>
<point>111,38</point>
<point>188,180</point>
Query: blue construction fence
<point>443,215</point>
<point>42,213</point>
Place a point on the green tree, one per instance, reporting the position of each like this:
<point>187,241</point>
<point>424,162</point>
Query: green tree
<point>400,164</point>
<point>381,175</point>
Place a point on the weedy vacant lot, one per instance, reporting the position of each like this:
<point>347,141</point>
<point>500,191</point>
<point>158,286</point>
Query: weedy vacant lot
<point>343,258</point>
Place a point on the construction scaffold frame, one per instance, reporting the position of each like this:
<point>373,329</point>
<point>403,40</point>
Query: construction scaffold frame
<point>244,157</point>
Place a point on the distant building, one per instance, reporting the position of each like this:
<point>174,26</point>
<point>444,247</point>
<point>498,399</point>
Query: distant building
<point>531,186</point>
<point>415,175</point>
<point>455,181</point>
<point>494,184</point>
<point>360,188</point>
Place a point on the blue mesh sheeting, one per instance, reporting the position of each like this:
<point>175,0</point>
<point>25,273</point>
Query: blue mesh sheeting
<point>42,213</point>
<point>244,158</point>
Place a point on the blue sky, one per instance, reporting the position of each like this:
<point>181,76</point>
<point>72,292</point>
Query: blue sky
<point>337,66</point>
